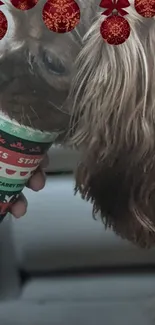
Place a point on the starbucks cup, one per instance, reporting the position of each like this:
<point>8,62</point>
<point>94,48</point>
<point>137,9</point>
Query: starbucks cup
<point>21,152</point>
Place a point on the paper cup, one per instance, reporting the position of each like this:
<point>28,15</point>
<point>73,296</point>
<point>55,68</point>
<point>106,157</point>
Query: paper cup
<point>21,152</point>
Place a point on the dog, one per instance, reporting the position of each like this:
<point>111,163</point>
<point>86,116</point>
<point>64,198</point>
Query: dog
<point>36,69</point>
<point>113,123</point>
<point>103,104</point>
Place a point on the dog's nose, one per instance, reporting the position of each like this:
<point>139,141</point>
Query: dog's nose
<point>16,64</point>
<point>9,69</point>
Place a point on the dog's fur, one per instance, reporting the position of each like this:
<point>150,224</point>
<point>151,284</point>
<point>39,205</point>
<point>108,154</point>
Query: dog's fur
<point>111,103</point>
<point>113,120</point>
<point>35,69</point>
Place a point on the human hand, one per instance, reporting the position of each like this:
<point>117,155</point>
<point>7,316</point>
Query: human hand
<point>36,183</point>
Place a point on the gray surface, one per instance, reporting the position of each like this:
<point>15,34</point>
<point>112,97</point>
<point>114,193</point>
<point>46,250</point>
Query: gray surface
<point>9,282</point>
<point>62,159</point>
<point>96,313</point>
<point>59,232</point>
<point>114,288</point>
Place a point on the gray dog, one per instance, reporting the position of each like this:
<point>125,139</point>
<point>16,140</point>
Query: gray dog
<point>109,113</point>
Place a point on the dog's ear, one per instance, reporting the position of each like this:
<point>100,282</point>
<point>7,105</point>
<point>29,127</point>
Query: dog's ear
<point>113,122</point>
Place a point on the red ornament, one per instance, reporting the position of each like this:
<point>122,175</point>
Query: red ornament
<point>3,23</point>
<point>145,8</point>
<point>24,4</point>
<point>115,29</point>
<point>61,16</point>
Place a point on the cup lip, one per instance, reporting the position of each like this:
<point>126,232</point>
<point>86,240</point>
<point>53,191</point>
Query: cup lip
<point>50,136</point>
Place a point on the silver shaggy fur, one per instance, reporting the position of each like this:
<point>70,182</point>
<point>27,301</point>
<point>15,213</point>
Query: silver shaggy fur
<point>113,121</point>
<point>111,104</point>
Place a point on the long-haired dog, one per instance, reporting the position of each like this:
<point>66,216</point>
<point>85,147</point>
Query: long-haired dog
<point>111,105</point>
<point>113,122</point>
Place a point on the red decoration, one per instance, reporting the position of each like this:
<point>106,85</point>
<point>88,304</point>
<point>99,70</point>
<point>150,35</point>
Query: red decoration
<point>24,173</point>
<point>145,8</point>
<point>3,23</point>
<point>115,5</point>
<point>115,29</point>
<point>6,202</point>
<point>24,4</point>
<point>61,16</point>
<point>10,171</point>
<point>4,207</point>
<point>17,145</point>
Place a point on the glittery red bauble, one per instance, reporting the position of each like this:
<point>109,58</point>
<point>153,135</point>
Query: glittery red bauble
<point>24,4</point>
<point>115,30</point>
<point>145,8</point>
<point>61,16</point>
<point>3,25</point>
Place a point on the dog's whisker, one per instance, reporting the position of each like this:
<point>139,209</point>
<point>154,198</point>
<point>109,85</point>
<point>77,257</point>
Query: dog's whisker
<point>29,119</point>
<point>60,109</point>
<point>22,115</point>
<point>34,111</point>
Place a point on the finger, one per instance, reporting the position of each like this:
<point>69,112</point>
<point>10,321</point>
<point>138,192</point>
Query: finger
<point>37,181</point>
<point>19,208</point>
